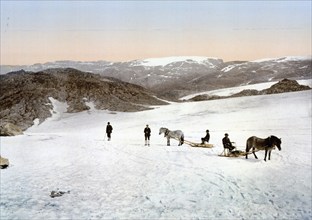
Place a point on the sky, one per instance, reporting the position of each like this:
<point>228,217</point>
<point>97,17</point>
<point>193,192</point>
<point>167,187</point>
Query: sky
<point>43,31</point>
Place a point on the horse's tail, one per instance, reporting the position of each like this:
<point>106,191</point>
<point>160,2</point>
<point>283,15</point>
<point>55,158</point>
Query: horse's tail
<point>182,139</point>
<point>248,146</point>
<point>250,143</point>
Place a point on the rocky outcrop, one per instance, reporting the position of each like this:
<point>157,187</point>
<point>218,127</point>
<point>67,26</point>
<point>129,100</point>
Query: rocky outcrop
<point>58,193</point>
<point>285,85</point>
<point>4,163</point>
<point>25,95</point>
<point>205,98</point>
<point>246,92</point>
<point>10,129</point>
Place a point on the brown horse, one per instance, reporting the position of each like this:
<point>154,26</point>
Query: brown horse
<point>262,144</point>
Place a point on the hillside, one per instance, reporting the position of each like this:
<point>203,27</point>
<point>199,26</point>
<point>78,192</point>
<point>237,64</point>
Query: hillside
<point>25,96</point>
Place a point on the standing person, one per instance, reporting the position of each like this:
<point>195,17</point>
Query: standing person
<point>206,138</point>
<point>147,134</point>
<point>227,144</point>
<point>109,130</point>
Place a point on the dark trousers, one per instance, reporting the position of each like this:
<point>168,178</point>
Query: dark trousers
<point>203,140</point>
<point>147,137</point>
<point>108,136</point>
<point>229,146</point>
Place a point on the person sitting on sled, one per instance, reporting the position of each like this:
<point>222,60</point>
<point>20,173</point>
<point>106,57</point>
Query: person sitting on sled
<point>206,138</point>
<point>227,144</point>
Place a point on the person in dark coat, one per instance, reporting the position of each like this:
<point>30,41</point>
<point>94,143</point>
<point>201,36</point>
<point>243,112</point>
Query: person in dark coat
<point>109,130</point>
<point>147,134</point>
<point>206,138</point>
<point>227,144</point>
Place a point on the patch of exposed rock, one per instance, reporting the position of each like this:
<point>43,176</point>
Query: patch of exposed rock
<point>205,98</point>
<point>247,92</point>
<point>10,129</point>
<point>4,163</point>
<point>25,95</point>
<point>285,85</point>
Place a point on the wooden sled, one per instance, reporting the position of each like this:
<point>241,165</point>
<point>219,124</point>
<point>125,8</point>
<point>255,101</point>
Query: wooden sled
<point>192,144</point>
<point>234,153</point>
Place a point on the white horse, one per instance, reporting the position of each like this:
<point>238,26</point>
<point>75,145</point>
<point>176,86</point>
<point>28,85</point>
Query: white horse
<point>178,135</point>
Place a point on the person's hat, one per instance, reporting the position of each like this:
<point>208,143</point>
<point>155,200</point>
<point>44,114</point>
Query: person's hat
<point>207,130</point>
<point>226,134</point>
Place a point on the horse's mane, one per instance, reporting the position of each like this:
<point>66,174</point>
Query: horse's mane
<point>275,138</point>
<point>271,139</point>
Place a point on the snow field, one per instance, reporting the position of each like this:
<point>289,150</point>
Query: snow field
<point>125,179</point>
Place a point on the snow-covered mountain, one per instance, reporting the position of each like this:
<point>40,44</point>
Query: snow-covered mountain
<point>123,179</point>
<point>164,61</point>
<point>173,77</point>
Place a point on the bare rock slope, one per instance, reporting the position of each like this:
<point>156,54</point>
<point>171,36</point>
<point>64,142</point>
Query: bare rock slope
<point>25,95</point>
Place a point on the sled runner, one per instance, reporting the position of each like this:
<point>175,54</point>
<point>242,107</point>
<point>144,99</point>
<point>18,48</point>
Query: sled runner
<point>192,144</point>
<point>234,153</point>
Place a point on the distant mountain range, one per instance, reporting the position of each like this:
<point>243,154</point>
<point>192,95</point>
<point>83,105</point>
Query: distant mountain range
<point>174,77</point>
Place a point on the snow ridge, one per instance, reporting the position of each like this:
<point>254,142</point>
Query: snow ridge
<point>283,59</point>
<point>163,61</point>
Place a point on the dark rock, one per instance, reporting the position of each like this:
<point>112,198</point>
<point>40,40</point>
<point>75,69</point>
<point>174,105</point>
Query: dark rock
<point>10,129</point>
<point>58,193</point>
<point>205,98</point>
<point>285,85</point>
<point>246,92</point>
<point>4,163</point>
